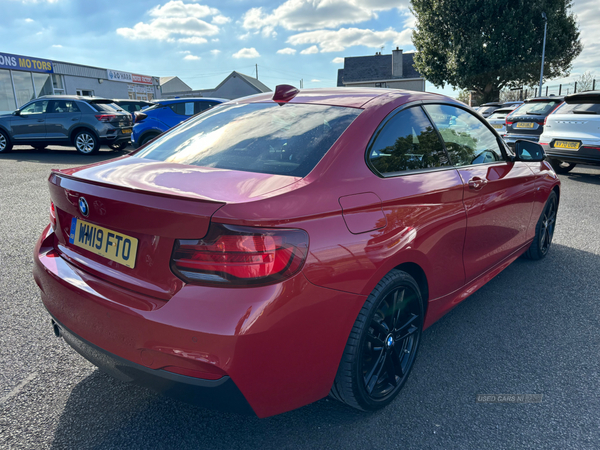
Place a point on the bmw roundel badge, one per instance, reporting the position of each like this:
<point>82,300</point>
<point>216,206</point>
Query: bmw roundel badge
<point>83,206</point>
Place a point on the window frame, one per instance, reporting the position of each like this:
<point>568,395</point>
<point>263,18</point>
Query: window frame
<point>507,154</point>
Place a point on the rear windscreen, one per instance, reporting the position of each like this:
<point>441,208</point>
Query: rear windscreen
<point>579,108</point>
<point>542,108</point>
<point>287,139</point>
<point>106,107</point>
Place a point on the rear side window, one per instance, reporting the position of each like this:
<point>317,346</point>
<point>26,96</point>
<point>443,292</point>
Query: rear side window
<point>407,141</point>
<point>579,108</point>
<point>64,106</point>
<point>288,139</point>
<point>203,106</point>
<point>183,109</point>
<point>468,140</point>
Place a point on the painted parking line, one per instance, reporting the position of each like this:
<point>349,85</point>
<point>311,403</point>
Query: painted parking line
<point>18,388</point>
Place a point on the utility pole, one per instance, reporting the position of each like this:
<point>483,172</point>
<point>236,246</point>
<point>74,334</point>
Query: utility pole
<point>257,71</point>
<point>543,53</point>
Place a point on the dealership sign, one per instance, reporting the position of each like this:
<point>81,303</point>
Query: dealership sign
<point>16,62</point>
<point>126,77</point>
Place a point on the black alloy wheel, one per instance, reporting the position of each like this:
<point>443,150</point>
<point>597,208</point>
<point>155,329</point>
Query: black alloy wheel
<point>383,345</point>
<point>544,230</point>
<point>561,167</point>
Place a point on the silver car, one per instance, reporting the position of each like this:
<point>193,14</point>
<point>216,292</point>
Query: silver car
<point>498,119</point>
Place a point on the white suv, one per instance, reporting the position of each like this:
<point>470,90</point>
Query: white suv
<point>572,133</point>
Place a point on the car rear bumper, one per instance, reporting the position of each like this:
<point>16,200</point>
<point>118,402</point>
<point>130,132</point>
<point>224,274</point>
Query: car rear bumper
<point>277,344</point>
<point>221,394</point>
<point>585,155</point>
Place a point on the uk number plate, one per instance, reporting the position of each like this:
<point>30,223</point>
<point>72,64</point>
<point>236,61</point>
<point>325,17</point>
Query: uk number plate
<point>115,246</point>
<point>497,127</point>
<point>126,131</point>
<point>569,145</point>
<point>524,125</point>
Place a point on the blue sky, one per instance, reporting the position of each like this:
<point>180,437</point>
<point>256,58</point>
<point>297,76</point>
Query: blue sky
<point>203,41</point>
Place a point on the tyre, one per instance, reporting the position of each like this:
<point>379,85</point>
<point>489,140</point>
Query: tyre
<point>86,142</point>
<point>544,230</point>
<point>561,167</point>
<point>382,346</point>
<point>148,138</point>
<point>119,146</point>
<point>5,144</point>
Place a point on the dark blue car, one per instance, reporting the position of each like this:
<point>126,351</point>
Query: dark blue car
<point>166,114</point>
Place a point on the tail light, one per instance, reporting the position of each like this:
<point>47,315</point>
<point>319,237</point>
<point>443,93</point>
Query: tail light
<point>105,117</point>
<point>52,215</point>
<point>233,256</point>
<point>140,117</point>
<point>591,147</point>
<point>551,112</point>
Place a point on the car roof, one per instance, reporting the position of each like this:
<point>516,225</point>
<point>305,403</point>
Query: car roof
<point>350,96</point>
<point>73,97</point>
<point>501,110</point>
<point>130,100</point>
<point>168,101</point>
<point>544,99</point>
<point>584,97</point>
<point>492,104</point>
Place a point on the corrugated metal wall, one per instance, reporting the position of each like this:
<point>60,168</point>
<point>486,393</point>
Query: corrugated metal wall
<point>79,71</point>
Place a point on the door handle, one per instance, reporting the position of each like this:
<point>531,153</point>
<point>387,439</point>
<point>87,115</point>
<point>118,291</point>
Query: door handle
<point>477,183</point>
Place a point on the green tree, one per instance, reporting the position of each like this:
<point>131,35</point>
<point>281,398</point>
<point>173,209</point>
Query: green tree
<point>488,45</point>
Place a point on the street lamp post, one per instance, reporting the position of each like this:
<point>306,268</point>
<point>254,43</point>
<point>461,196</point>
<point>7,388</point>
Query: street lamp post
<point>543,53</point>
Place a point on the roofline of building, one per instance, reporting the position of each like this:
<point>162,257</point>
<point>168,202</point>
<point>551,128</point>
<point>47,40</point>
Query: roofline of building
<point>383,81</point>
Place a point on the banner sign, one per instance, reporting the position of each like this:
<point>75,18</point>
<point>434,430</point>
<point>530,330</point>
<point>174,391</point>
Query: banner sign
<point>126,77</point>
<point>16,62</point>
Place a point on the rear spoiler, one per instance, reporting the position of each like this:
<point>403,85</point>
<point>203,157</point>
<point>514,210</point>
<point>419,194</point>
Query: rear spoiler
<point>583,97</point>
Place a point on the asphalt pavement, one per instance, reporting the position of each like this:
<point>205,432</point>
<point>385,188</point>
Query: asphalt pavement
<point>534,329</point>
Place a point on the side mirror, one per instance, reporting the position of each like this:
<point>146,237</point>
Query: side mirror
<point>17,112</point>
<point>529,151</point>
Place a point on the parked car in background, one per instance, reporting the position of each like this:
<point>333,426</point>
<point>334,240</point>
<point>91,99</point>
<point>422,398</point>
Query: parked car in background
<point>497,119</point>
<point>512,104</point>
<point>165,114</point>
<point>288,246</point>
<point>572,133</point>
<point>488,108</point>
<point>85,122</point>
<point>527,121</point>
<point>132,107</point>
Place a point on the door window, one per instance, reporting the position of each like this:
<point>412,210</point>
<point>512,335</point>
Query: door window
<point>183,109</point>
<point>64,106</point>
<point>35,108</point>
<point>408,141</point>
<point>468,140</point>
<point>203,106</point>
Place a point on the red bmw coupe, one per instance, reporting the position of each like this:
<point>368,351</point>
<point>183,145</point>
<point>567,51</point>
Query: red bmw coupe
<point>281,248</point>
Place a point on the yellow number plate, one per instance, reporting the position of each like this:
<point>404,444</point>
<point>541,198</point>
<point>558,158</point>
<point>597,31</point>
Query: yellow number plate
<point>126,131</point>
<point>524,124</point>
<point>104,242</point>
<point>570,145</point>
<point>498,127</point>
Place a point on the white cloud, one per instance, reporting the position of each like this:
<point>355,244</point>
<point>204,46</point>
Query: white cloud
<point>339,40</point>
<point>287,51</point>
<point>191,57</point>
<point>192,40</point>
<point>214,40</point>
<point>29,20</point>
<point>587,16</point>
<point>338,60</point>
<point>215,52</point>
<point>57,46</point>
<point>175,21</point>
<point>220,20</point>
<point>299,15</point>
<point>247,53</point>
<point>314,80</point>
<point>185,52</point>
<point>310,50</point>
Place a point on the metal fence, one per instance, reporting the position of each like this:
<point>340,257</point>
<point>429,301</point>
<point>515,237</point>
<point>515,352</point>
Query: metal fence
<point>556,89</point>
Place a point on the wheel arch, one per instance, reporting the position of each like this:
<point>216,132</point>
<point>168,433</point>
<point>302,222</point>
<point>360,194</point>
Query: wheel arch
<point>79,128</point>
<point>417,272</point>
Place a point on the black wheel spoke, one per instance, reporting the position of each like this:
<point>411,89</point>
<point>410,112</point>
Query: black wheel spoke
<point>398,299</point>
<point>390,366</point>
<point>380,327</point>
<point>406,330</point>
<point>376,343</point>
<point>375,373</point>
